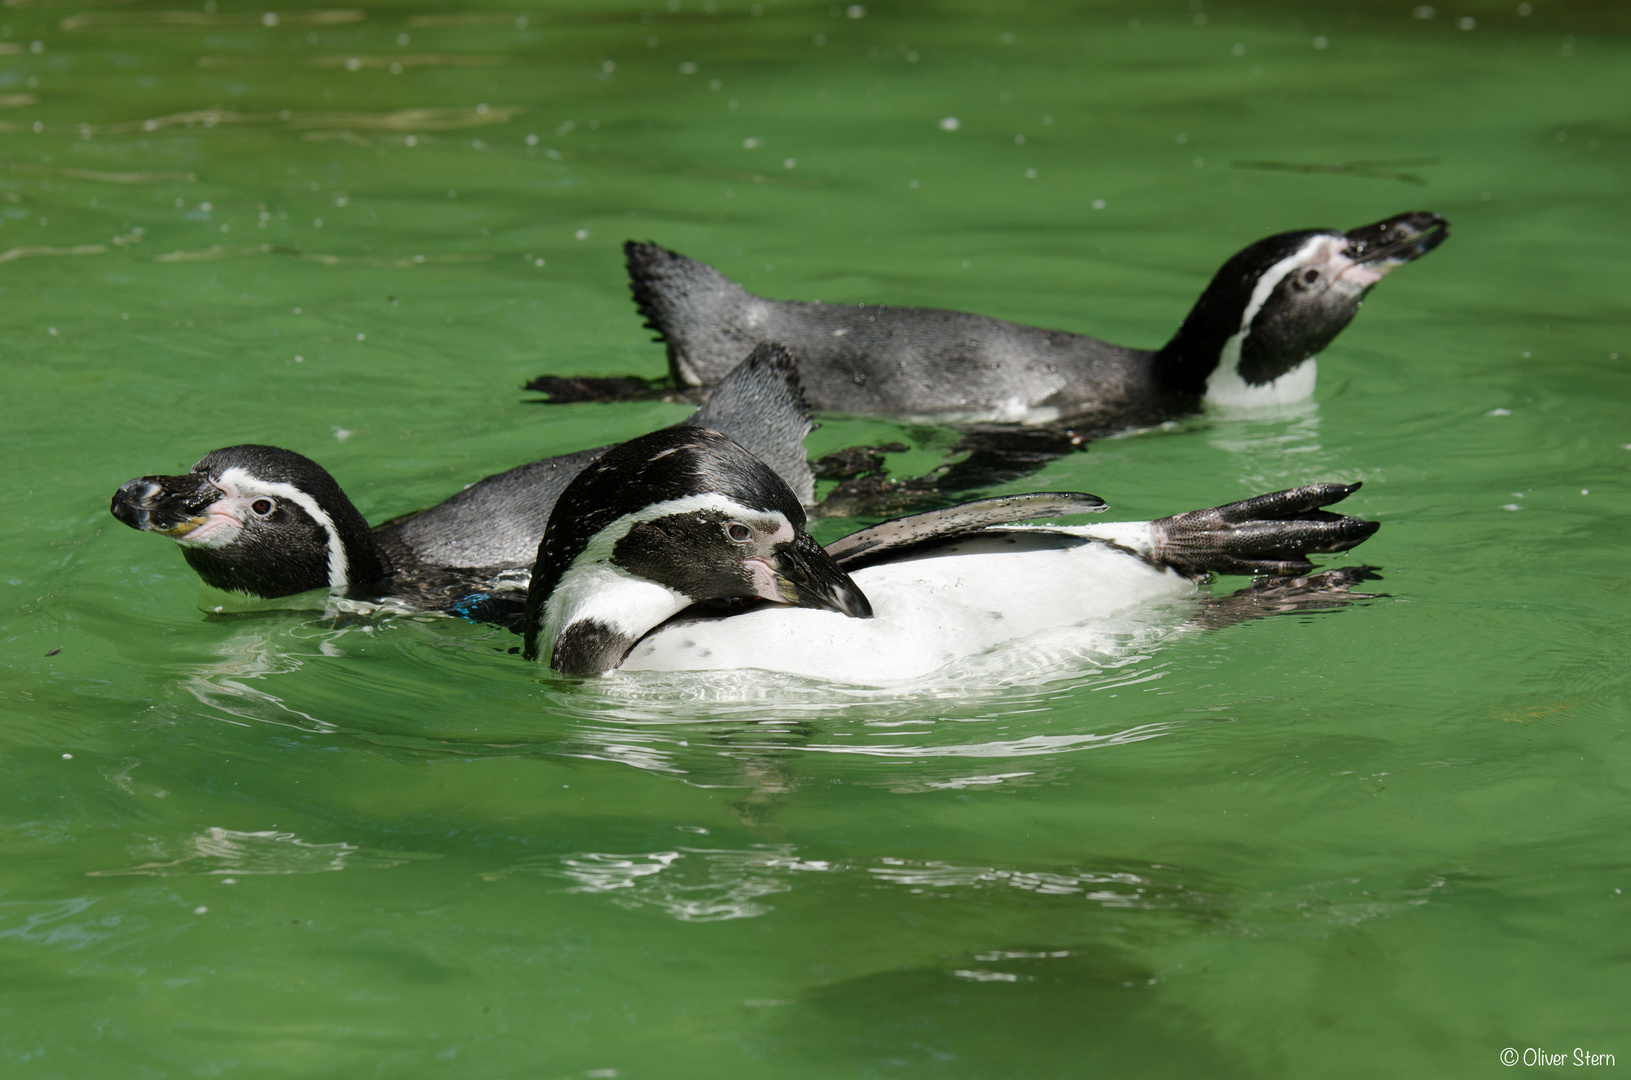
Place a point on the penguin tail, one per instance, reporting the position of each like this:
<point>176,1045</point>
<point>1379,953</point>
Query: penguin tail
<point>1266,534</point>
<point>760,404</point>
<point>697,312</point>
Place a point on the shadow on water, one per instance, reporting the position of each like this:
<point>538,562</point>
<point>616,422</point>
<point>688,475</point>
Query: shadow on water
<point>1020,1011</point>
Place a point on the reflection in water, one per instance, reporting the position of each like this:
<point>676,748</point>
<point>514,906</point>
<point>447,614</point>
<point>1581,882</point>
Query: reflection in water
<point>220,851</point>
<point>690,884</point>
<point>45,922</point>
<point>713,884</point>
<point>255,654</point>
<point>1276,447</point>
<point>752,731</point>
<point>747,728</point>
<point>438,119</point>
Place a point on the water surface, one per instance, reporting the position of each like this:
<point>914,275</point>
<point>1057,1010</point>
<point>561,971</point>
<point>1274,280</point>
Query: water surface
<point>263,843</point>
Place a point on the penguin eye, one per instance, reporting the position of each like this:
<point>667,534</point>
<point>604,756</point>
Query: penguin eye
<point>1310,275</point>
<point>739,532</point>
<point>263,507</point>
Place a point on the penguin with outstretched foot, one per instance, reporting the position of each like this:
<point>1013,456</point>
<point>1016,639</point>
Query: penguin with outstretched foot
<point>653,552</point>
<point>269,522</point>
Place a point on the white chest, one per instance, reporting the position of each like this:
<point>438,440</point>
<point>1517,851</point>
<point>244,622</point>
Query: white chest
<point>1025,595</point>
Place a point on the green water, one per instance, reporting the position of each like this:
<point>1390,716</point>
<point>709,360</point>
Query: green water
<point>1389,840</point>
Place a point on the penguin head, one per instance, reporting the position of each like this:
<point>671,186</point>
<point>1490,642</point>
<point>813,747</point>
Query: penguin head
<point>679,517</point>
<point>258,520</point>
<point>1280,301</point>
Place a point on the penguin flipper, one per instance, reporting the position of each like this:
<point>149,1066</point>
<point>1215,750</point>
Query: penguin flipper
<point>937,526</point>
<point>700,313</point>
<point>1266,534</point>
<point>760,404</point>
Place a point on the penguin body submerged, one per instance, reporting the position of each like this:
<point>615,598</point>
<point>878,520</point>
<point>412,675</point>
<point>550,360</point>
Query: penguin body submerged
<point>1249,339</point>
<point>619,577</point>
<point>269,522</point>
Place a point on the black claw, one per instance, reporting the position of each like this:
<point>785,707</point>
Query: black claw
<point>1266,534</point>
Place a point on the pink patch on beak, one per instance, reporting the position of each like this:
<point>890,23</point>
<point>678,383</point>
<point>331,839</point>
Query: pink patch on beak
<point>764,580</point>
<point>219,526</point>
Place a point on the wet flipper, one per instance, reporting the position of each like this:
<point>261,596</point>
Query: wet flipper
<point>891,538</point>
<point>1266,534</point>
<point>760,404</point>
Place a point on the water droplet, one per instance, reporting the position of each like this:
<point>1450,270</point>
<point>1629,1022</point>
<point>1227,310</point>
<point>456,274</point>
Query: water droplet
<point>950,123</point>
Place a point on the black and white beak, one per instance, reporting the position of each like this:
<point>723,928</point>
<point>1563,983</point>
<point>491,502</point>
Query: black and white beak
<point>1396,240</point>
<point>175,506</point>
<point>803,574</point>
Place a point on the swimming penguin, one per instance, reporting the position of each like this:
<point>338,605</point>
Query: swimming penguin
<point>1250,339</point>
<point>686,517</point>
<point>269,522</point>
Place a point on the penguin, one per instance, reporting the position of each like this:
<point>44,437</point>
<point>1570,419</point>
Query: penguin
<point>269,522</point>
<point>1250,340</point>
<point>680,551</point>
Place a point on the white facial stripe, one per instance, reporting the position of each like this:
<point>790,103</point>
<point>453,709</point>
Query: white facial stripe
<point>1225,385</point>
<point>593,587</point>
<point>605,541</point>
<point>241,485</point>
<point>1272,277</point>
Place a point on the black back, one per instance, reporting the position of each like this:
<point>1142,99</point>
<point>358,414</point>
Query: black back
<point>498,521</point>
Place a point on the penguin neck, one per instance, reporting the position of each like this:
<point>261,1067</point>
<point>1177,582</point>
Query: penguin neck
<point>1202,361</point>
<point>596,615</point>
<point>1183,364</point>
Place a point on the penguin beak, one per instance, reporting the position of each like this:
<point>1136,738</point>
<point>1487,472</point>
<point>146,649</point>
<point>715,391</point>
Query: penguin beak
<point>1396,241</point>
<point>802,573</point>
<point>171,505</point>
